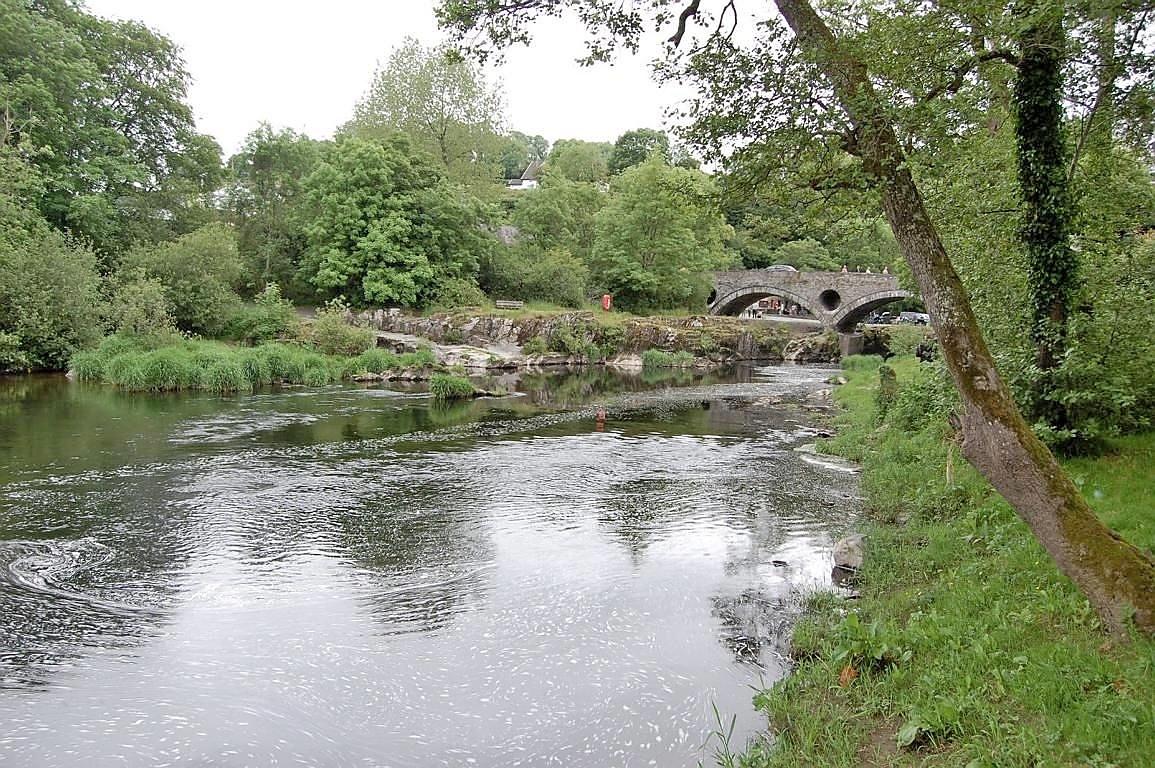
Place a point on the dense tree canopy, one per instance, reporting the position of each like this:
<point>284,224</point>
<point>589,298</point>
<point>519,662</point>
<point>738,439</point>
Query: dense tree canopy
<point>385,227</point>
<point>98,106</point>
<point>635,147</point>
<point>264,202</point>
<point>658,237</point>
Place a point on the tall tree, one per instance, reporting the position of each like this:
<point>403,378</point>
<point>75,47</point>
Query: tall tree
<point>579,160</point>
<point>384,226</point>
<point>264,201</point>
<point>443,104</point>
<point>659,237</point>
<point>635,147</point>
<point>99,107</point>
<point>1117,578</point>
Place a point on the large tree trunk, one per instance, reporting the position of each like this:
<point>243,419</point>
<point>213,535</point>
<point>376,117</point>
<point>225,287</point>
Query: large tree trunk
<point>1116,577</point>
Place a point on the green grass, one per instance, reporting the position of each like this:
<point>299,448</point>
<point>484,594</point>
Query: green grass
<point>446,387</point>
<point>657,358</point>
<point>995,659</point>
<point>217,367</point>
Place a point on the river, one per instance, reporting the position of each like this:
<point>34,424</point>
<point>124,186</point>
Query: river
<point>353,576</point>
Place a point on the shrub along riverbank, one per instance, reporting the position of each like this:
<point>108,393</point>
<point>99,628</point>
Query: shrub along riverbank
<point>966,646</point>
<point>213,366</point>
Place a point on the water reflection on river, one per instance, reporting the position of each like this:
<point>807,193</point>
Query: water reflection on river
<point>353,576</point>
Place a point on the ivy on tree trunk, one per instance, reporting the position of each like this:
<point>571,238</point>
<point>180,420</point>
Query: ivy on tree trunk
<point>1042,171</point>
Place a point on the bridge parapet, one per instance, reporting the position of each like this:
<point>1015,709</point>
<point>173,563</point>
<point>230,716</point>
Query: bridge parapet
<point>838,300</point>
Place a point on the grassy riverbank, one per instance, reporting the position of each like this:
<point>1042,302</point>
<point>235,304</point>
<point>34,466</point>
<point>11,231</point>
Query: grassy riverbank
<point>214,366</point>
<point>966,648</point>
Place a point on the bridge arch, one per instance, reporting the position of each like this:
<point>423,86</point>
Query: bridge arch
<point>733,302</point>
<point>852,313</point>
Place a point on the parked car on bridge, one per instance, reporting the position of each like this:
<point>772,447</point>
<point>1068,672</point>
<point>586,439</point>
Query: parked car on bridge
<point>781,268</point>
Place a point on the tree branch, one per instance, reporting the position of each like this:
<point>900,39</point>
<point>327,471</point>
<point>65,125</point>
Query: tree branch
<point>689,11</point>
<point>965,68</point>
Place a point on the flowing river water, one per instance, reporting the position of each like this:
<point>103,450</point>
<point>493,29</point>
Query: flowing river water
<point>354,576</point>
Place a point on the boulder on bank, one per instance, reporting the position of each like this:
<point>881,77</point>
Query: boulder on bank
<point>850,552</point>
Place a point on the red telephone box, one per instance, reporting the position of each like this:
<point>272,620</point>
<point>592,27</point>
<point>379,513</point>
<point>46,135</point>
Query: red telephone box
<point>607,302</point>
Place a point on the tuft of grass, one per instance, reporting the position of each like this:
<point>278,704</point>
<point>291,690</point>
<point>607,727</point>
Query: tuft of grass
<point>967,646</point>
<point>445,387</point>
<point>657,358</point>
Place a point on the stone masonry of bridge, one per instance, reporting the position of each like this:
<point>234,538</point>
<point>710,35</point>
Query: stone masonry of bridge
<point>839,300</point>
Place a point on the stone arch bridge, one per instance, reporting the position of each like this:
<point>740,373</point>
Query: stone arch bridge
<point>839,300</point>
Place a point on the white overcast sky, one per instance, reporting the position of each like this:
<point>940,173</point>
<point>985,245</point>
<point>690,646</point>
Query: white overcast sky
<point>304,65</point>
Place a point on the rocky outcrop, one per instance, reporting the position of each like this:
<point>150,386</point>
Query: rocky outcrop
<point>817,348</point>
<point>544,339</point>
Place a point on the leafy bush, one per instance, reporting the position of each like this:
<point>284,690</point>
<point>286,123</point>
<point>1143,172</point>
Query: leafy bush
<point>657,358</point>
<point>447,387</point>
<point>904,339</point>
<point>872,646</point>
<point>269,317</point>
<point>140,309</point>
<point>50,304</point>
<point>528,273</point>
<point>200,272</point>
<point>927,398</point>
<point>535,346</point>
<point>12,354</point>
<point>458,292</point>
<point>332,334</point>
<point>569,340</point>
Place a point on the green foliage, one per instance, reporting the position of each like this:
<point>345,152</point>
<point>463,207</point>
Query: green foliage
<point>523,272</point>
<point>807,254</point>
<point>380,361</point>
<point>445,107</point>
<point>905,339</point>
<point>861,363</point>
<point>657,358</point>
<point>1005,657</point>
<point>535,346</point>
<point>384,227</point>
<point>518,151</point>
<point>199,271</point>
<point>658,238</point>
<point>559,214</point>
<point>50,302</point>
<point>269,317</point>
<point>185,364</point>
<point>583,161</point>
<point>576,341</point>
<point>331,333</point>
<point>868,646</point>
<point>140,308</point>
<point>264,200</point>
<point>445,387</point>
<point>99,107</point>
<point>637,146</point>
<point>459,292</point>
